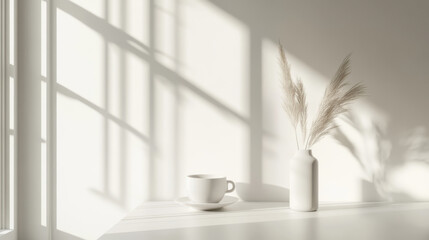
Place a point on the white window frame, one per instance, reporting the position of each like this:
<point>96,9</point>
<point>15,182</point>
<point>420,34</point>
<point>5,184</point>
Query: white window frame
<point>6,224</point>
<point>4,179</point>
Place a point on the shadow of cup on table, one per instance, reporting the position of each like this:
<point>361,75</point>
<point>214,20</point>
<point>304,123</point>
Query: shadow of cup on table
<point>261,192</point>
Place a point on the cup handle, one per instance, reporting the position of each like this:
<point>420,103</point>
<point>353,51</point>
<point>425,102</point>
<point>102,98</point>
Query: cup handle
<point>233,186</point>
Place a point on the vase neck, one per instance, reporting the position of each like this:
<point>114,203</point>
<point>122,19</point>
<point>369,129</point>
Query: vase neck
<point>305,152</point>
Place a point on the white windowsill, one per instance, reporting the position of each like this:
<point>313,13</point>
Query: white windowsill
<point>378,221</point>
<point>6,234</point>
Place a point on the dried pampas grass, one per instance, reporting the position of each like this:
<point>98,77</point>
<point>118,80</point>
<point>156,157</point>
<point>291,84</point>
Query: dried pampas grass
<point>334,102</point>
<point>294,103</point>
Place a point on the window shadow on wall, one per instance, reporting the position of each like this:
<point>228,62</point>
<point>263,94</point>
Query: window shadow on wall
<point>265,21</point>
<point>146,52</point>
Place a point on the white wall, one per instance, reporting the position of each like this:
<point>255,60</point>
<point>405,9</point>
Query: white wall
<point>148,91</point>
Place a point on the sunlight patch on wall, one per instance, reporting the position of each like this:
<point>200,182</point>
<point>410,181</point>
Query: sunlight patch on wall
<point>167,164</point>
<point>80,58</point>
<point>134,167</point>
<point>409,181</point>
<point>215,57</point>
<point>78,128</point>
<point>113,186</point>
<point>339,179</point>
<point>408,172</point>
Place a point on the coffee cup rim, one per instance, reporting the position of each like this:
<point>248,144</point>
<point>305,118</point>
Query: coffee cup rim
<point>206,176</point>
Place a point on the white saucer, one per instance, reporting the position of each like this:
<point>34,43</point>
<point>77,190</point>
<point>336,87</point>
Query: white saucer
<point>227,200</point>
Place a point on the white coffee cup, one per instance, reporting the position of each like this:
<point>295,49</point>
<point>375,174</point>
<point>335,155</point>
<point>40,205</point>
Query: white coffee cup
<point>208,188</point>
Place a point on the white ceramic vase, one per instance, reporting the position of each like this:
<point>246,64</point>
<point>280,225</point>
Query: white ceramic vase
<point>304,182</point>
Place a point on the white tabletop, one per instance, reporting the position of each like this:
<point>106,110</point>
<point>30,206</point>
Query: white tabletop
<point>262,220</point>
